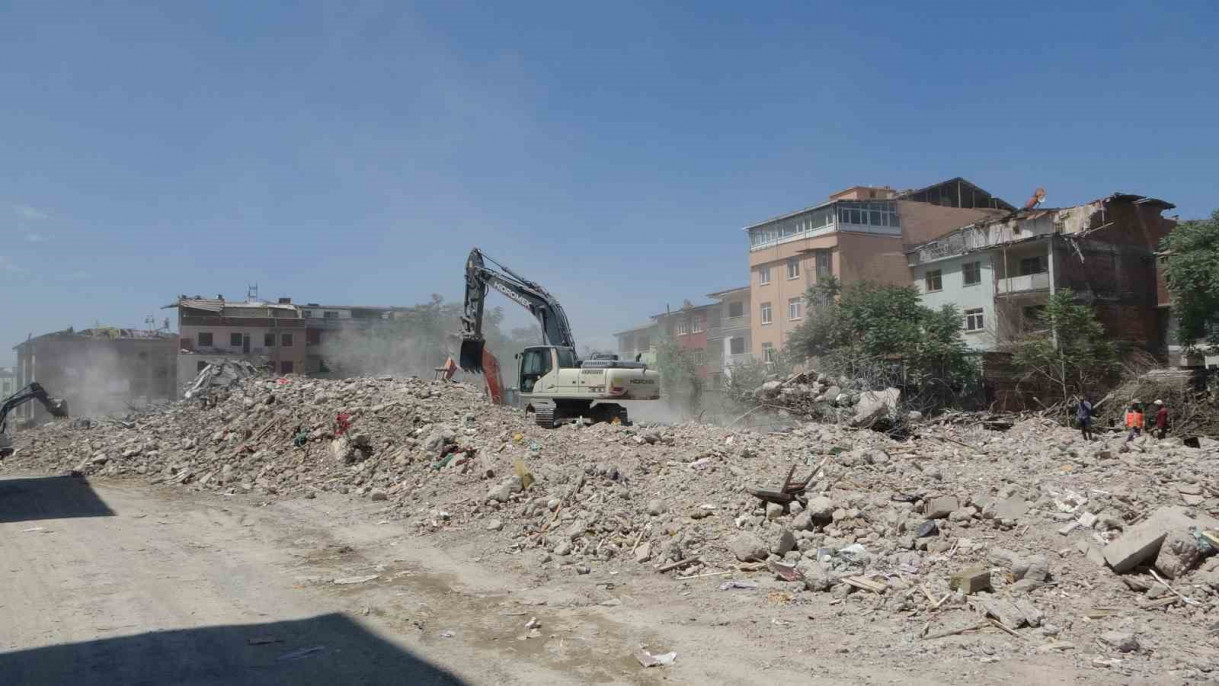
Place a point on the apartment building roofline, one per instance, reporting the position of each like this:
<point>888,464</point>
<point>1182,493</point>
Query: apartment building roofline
<point>643,327</point>
<point>1020,216</point>
<point>903,195</point>
<point>685,309</point>
<point>999,203</point>
<point>730,291</point>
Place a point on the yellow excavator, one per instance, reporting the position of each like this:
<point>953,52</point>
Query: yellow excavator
<point>554,384</point>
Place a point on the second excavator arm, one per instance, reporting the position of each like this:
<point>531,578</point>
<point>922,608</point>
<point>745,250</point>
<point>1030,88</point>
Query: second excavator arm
<point>34,391</point>
<point>526,293</point>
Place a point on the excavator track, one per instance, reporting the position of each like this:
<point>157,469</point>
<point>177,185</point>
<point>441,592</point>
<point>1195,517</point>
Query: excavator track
<point>544,417</point>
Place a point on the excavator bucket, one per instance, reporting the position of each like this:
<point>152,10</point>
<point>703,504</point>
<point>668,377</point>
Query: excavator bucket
<point>472,355</point>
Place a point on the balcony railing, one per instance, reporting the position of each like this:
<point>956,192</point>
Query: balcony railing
<point>1020,284</point>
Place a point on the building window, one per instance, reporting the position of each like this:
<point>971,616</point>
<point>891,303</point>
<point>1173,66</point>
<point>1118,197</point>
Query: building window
<point>794,307</point>
<point>1031,265</point>
<point>285,367</point>
<point>204,339</point>
<point>736,346</point>
<point>764,276</point>
<point>768,352</point>
<point>824,268</point>
<point>330,314</point>
<point>306,314</point>
<point>699,357</point>
<point>973,319</point>
<point>972,272</point>
<point>313,336</point>
<point>736,309</point>
<point>766,313</point>
<point>235,340</point>
<point>696,324</point>
<point>683,326</point>
<point>793,268</point>
<point>200,365</point>
<point>268,340</point>
<point>934,281</point>
<point>285,340</point>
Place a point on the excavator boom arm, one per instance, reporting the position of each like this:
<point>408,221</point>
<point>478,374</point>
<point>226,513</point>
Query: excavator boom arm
<point>34,391</point>
<point>528,294</point>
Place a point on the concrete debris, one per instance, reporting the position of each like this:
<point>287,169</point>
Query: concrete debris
<point>748,547</point>
<point>941,507</point>
<point>1140,543</point>
<point>874,406</point>
<point>970,581</point>
<point>958,516</point>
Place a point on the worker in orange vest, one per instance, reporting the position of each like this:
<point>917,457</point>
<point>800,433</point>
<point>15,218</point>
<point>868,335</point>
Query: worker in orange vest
<point>1134,420</point>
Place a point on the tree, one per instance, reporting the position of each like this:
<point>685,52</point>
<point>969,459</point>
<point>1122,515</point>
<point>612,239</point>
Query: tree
<point>884,335</point>
<point>1192,272</point>
<point>679,378</point>
<point>1075,356</point>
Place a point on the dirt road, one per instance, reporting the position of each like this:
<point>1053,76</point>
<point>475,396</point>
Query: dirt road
<point>115,583</point>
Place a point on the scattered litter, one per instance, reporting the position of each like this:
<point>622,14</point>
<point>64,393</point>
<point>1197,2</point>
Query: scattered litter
<point>349,580</point>
<point>649,660</point>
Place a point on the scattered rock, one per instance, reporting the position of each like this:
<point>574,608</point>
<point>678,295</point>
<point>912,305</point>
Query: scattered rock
<point>747,547</point>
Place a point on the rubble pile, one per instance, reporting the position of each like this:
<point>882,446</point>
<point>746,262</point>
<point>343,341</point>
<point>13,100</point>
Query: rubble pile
<point>1032,531</point>
<point>820,396</point>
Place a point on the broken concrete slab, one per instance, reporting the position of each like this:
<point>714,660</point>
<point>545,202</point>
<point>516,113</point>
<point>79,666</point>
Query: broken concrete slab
<point>971,580</point>
<point>1179,554</point>
<point>1141,543</point>
<point>941,507</point>
<point>1011,508</point>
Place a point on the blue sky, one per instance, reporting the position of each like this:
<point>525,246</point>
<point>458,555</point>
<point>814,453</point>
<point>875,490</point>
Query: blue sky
<point>354,152</point>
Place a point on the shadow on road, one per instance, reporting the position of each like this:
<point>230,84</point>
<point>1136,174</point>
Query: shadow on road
<point>328,649</point>
<point>50,497</point>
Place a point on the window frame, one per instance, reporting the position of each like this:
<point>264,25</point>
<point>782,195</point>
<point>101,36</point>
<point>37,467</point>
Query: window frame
<point>1041,265</point>
<point>740,305</point>
<point>683,326</point>
<point>732,348</point>
<point>285,340</point>
<point>793,268</point>
<point>768,353</point>
<point>211,339</point>
<point>975,312</point>
<point>764,276</point>
<point>697,324</point>
<point>939,280</point>
<point>268,340</point>
<point>238,337</point>
<point>977,265</point>
<point>798,305</point>
<point>765,314</point>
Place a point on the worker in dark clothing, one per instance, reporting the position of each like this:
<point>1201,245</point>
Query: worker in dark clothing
<point>1161,426</point>
<point>1083,415</point>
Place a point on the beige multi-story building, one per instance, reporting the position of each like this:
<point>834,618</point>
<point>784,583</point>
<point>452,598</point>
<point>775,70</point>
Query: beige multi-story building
<point>858,234</point>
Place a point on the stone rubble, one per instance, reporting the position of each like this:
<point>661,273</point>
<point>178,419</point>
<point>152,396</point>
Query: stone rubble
<point>1032,526</point>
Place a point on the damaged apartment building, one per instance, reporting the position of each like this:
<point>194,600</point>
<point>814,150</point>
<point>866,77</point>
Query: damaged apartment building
<point>99,371</point>
<point>281,337</point>
<point>858,234</point>
<point>1000,271</point>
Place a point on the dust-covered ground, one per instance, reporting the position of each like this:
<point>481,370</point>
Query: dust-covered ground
<point>474,545</point>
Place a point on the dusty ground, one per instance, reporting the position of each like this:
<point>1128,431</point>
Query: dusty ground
<point>109,582</point>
